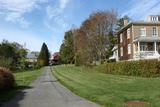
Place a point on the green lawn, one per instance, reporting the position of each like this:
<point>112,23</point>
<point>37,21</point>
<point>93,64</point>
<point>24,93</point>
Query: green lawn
<point>23,79</point>
<point>109,90</point>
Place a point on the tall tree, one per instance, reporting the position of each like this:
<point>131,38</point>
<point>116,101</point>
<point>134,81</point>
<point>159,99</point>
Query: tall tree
<point>96,30</point>
<point>112,43</point>
<point>67,48</point>
<point>43,58</point>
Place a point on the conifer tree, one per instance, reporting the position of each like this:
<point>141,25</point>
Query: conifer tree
<point>43,58</point>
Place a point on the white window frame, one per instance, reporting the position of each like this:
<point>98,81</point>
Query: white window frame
<point>154,18</point>
<point>129,48</point>
<point>128,33</point>
<point>121,51</point>
<point>155,34</point>
<point>143,29</point>
<point>121,38</point>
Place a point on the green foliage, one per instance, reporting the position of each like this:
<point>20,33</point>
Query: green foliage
<point>43,58</point>
<point>6,62</point>
<point>144,68</point>
<point>7,50</point>
<point>67,48</point>
<point>12,55</point>
<point>77,60</point>
<point>7,54</point>
<point>112,43</point>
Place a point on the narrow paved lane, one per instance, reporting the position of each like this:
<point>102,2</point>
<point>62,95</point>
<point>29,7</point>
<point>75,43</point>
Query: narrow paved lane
<point>46,91</point>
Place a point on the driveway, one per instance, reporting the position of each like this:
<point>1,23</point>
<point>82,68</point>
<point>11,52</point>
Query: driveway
<point>46,91</point>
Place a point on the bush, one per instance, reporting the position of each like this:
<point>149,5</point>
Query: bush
<point>144,68</point>
<point>77,60</point>
<point>7,80</point>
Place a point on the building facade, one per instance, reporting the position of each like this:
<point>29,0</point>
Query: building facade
<point>139,40</point>
<point>32,57</point>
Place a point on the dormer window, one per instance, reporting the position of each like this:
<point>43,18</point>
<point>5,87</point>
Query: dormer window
<point>154,18</point>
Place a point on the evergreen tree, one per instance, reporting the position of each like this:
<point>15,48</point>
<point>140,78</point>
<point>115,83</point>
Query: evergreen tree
<point>67,48</point>
<point>43,58</point>
<point>112,43</point>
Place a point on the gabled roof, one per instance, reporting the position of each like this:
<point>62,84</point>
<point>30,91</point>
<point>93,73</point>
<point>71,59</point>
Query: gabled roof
<point>32,55</point>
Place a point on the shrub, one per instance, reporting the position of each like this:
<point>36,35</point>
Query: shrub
<point>7,80</point>
<point>145,68</point>
<point>77,60</point>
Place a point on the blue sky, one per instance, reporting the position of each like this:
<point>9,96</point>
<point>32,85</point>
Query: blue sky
<point>33,22</point>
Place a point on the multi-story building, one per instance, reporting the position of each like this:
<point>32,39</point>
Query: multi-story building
<point>139,40</point>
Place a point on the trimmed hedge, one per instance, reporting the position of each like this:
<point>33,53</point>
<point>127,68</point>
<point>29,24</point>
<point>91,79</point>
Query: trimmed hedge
<point>144,68</point>
<point>7,80</point>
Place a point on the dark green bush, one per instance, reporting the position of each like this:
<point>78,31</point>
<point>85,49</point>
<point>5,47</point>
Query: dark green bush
<point>145,68</point>
<point>7,80</point>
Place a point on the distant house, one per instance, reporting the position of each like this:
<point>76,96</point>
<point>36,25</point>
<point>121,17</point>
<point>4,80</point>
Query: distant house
<point>115,53</point>
<point>32,57</point>
<point>139,40</point>
<point>55,58</point>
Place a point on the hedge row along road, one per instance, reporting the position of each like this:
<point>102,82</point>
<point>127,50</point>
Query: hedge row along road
<point>46,91</point>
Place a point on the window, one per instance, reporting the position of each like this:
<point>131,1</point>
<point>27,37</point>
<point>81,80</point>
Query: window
<point>154,18</point>
<point>143,47</point>
<point>128,33</point>
<point>121,38</point>
<point>143,32</point>
<point>154,31</point>
<point>121,51</point>
<point>129,48</point>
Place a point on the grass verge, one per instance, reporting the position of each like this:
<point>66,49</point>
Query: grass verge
<point>109,90</point>
<point>23,79</point>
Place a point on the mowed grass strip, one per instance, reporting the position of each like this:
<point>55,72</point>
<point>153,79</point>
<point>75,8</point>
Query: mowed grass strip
<point>109,90</point>
<point>23,79</point>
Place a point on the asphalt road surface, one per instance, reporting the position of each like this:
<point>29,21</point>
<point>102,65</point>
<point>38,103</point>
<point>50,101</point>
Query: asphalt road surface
<point>46,91</point>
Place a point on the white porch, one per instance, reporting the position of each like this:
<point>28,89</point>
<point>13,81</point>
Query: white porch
<point>146,50</point>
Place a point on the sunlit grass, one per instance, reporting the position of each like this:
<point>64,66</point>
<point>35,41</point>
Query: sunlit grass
<point>106,89</point>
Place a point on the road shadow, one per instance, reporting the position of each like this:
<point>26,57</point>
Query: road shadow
<point>13,97</point>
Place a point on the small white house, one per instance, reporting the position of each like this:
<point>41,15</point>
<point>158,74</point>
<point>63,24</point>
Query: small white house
<point>115,53</point>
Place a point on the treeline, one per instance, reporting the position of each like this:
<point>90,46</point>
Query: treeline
<point>12,55</point>
<point>93,41</point>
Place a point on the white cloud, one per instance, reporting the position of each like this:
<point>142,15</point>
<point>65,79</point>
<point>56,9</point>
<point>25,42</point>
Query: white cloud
<point>56,16</point>
<point>139,9</point>
<point>14,10</point>
<point>63,3</point>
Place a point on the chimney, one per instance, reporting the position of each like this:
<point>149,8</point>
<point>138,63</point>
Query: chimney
<point>125,20</point>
